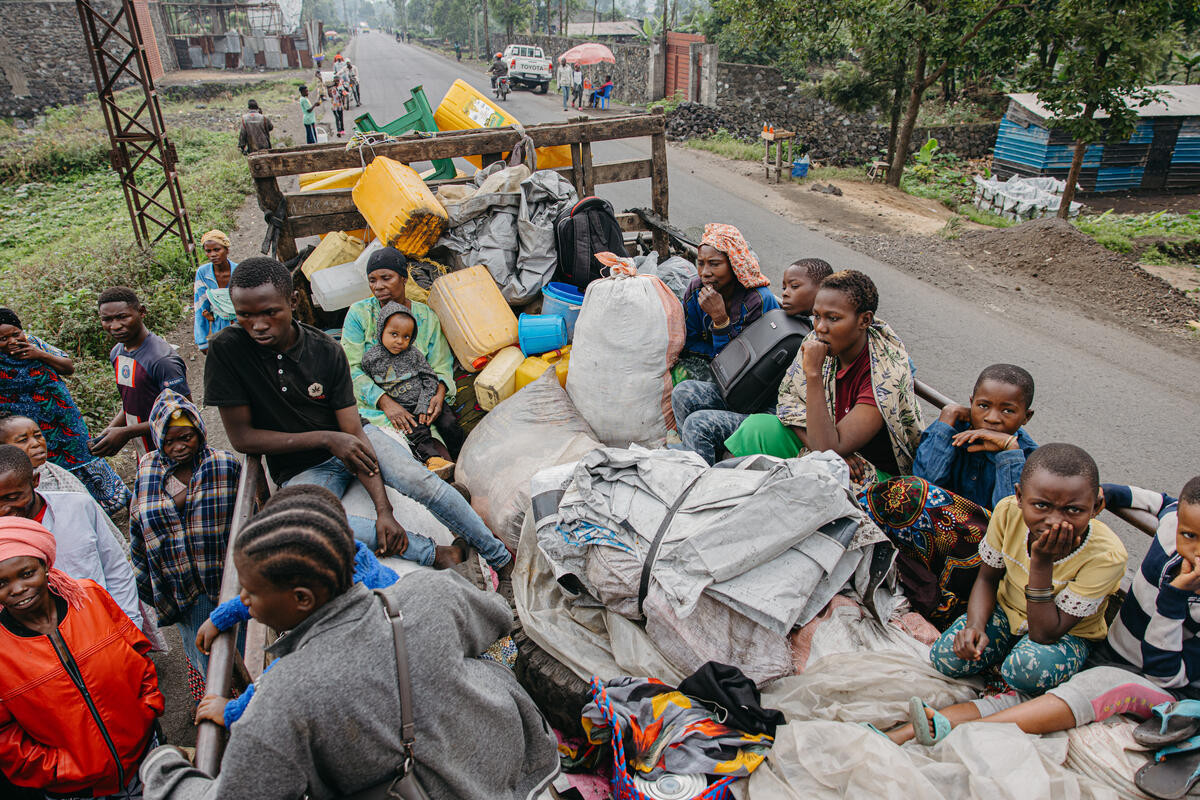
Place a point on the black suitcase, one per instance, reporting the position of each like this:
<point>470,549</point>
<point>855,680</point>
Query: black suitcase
<point>587,228</point>
<point>751,367</point>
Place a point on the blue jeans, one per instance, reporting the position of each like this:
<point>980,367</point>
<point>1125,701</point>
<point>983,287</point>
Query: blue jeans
<point>1025,665</point>
<point>703,421</point>
<point>310,133</point>
<point>566,93</point>
<point>409,477</point>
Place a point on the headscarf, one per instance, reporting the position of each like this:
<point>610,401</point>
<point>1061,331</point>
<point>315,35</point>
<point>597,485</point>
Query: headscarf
<point>215,236</point>
<point>388,258</point>
<point>24,537</point>
<point>9,317</point>
<point>729,240</point>
<point>891,379</point>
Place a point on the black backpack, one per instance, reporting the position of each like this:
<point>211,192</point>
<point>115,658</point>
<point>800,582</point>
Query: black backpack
<point>587,228</point>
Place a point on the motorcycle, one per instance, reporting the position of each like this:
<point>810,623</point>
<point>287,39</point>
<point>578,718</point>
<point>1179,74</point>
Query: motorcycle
<point>501,89</point>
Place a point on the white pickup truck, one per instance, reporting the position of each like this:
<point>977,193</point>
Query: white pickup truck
<point>528,66</point>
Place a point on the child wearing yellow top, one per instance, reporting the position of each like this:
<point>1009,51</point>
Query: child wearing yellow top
<point>1048,567</point>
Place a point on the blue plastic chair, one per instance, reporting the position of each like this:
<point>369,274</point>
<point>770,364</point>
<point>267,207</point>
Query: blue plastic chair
<point>602,98</point>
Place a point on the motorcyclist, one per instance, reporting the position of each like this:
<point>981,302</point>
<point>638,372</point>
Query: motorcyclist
<point>498,68</point>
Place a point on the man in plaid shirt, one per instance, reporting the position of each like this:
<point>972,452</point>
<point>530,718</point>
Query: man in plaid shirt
<point>179,520</point>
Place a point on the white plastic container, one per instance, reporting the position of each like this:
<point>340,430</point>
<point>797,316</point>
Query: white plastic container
<point>338,287</point>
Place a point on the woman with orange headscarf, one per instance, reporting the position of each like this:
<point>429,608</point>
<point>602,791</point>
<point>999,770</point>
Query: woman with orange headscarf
<point>728,293</point>
<point>66,646</point>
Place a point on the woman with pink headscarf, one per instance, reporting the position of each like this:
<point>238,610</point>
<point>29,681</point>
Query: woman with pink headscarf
<point>728,293</point>
<point>68,649</point>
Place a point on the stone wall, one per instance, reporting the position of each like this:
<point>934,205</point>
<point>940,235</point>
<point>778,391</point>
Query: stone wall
<point>749,95</point>
<point>629,73</point>
<point>43,57</point>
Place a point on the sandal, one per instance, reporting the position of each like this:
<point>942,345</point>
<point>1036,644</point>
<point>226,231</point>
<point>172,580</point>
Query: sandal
<point>920,719</point>
<point>871,727</point>
<point>1170,779</point>
<point>1186,746</point>
<point>1169,723</point>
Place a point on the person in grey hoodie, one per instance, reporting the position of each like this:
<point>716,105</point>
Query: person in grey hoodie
<point>325,720</point>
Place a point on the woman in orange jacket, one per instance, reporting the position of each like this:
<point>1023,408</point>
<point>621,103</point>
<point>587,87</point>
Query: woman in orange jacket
<point>79,697</point>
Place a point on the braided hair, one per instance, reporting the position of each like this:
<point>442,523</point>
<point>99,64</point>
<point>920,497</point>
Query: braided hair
<point>295,543</point>
<point>317,498</point>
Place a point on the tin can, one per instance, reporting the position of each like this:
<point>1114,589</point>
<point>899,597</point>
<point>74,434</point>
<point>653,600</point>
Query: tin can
<point>671,787</point>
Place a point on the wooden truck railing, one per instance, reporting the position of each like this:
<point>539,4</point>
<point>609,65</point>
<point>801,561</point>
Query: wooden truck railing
<point>299,214</point>
<point>210,737</point>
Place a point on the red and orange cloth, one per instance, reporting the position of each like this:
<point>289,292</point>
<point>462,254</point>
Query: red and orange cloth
<point>24,537</point>
<point>729,240</point>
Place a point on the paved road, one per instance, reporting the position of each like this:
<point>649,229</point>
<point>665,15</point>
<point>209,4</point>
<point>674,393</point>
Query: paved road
<point>1134,406</point>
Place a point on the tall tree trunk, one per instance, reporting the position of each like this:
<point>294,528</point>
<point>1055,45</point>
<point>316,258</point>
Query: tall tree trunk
<point>487,32</point>
<point>897,100</point>
<point>475,33</point>
<point>1064,210</point>
<point>665,27</point>
<point>595,8</point>
<point>918,87</point>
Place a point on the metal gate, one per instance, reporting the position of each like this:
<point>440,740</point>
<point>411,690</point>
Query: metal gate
<point>678,56</point>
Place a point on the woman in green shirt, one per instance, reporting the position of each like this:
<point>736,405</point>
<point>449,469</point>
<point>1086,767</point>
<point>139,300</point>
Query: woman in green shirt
<point>387,274</point>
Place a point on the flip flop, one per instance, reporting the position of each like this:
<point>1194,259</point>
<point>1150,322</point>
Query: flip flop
<point>1169,723</point>
<point>1170,779</point>
<point>1186,746</point>
<point>920,721</point>
<point>871,727</point>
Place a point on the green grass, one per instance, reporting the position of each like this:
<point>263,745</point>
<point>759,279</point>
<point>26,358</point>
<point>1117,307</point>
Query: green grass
<point>65,236</point>
<point>725,144</point>
<point>1119,232</point>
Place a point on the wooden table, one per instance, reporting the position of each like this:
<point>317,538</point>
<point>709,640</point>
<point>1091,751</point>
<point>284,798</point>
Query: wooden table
<point>779,138</point>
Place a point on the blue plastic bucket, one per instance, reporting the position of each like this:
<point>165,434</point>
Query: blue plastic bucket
<point>563,299</point>
<point>541,333</point>
<point>800,168</point>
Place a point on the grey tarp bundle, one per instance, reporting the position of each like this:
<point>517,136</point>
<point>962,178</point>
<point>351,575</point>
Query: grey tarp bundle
<point>752,551</point>
<point>507,224</point>
<point>675,272</point>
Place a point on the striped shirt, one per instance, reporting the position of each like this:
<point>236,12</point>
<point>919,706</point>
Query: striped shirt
<point>1157,628</point>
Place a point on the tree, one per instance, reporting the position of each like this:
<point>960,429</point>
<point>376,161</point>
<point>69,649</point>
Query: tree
<point>1107,51</point>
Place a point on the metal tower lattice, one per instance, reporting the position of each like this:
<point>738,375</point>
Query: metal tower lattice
<point>141,153</point>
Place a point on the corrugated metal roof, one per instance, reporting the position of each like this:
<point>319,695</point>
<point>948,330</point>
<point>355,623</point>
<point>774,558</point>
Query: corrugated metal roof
<point>1180,101</point>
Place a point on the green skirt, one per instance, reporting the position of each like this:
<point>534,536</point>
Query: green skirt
<point>764,433</point>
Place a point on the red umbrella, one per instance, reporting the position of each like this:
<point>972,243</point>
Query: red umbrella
<point>590,53</point>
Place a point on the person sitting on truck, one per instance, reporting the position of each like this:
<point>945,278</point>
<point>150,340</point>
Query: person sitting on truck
<point>387,275</point>
<point>703,420</point>
<point>283,389</point>
<point>498,68</point>
<point>1037,606</point>
<point>967,462</point>
<point>1150,656</point>
<point>80,694</point>
<point>404,375</point>
<point>180,518</point>
<point>728,293</point>
<point>86,546</point>
<point>336,678</point>
<point>850,390</point>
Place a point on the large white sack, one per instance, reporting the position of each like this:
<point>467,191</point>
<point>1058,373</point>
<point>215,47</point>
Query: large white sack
<point>535,428</point>
<point>628,336</point>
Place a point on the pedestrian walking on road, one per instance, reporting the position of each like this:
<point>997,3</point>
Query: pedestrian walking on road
<point>564,77</point>
<point>308,116</point>
<point>458,51</point>
<point>256,130</point>
<point>337,102</point>
<point>577,86</point>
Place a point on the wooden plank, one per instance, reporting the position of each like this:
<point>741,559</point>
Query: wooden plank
<point>269,193</point>
<point>324,223</point>
<point>325,201</point>
<point>658,189</point>
<point>618,171</point>
<point>585,158</point>
<point>576,177</point>
<point>459,144</point>
<point>630,222</point>
<point>210,737</point>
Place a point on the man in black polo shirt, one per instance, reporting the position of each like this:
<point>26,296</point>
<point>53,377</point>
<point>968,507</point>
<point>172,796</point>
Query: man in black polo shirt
<point>284,391</point>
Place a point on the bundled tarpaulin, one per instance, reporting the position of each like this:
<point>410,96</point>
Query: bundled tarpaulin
<point>505,222</point>
<point>1021,198</point>
<point>720,562</point>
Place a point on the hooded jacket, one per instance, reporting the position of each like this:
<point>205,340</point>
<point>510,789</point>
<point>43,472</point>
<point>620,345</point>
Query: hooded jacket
<point>325,721</point>
<point>406,377</point>
<point>66,731</point>
<point>178,555</point>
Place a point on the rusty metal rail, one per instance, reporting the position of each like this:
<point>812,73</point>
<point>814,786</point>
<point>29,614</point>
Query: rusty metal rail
<point>210,737</point>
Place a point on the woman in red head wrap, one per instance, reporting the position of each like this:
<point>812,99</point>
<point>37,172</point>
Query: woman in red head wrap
<point>80,696</point>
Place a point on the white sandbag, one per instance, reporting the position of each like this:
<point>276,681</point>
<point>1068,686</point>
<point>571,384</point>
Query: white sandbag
<point>535,428</point>
<point>628,336</point>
